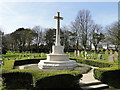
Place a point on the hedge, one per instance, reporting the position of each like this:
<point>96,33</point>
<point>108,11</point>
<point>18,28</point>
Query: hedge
<point>50,79</point>
<point>96,63</point>
<point>107,72</point>
<point>27,61</point>
<point>110,76</point>
<point>15,78</point>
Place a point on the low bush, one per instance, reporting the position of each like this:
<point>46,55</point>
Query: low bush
<point>109,76</point>
<point>96,63</point>
<point>27,79</point>
<point>107,72</point>
<point>21,79</point>
<point>17,80</point>
<point>59,81</point>
<point>27,61</point>
<point>8,65</point>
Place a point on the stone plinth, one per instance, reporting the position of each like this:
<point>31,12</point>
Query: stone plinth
<point>57,57</point>
<point>57,50</point>
<point>57,65</point>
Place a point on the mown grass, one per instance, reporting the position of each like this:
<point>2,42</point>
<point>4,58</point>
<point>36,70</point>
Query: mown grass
<point>11,56</point>
<point>15,56</point>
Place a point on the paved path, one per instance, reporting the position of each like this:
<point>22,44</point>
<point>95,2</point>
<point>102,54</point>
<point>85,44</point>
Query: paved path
<point>88,82</point>
<point>87,78</point>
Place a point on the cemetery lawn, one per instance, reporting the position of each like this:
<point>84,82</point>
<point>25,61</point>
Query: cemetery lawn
<point>104,56</point>
<point>12,56</point>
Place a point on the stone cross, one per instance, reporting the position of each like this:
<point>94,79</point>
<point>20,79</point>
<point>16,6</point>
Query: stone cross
<point>58,28</point>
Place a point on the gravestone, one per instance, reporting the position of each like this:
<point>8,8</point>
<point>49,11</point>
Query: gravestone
<point>111,58</point>
<point>33,55</point>
<point>116,55</point>
<point>111,52</point>
<point>82,55</point>
<point>75,53</point>
<point>42,54</point>
<point>106,52</point>
<point>78,53</point>
<point>85,54</point>
<point>26,54</point>
<point>81,52</point>
<point>69,54</point>
<point>20,56</point>
<point>29,53</point>
<point>92,55</point>
<point>99,56</point>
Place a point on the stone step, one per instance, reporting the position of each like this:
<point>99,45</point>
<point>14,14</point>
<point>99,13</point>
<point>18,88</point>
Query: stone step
<point>89,84</point>
<point>94,86</point>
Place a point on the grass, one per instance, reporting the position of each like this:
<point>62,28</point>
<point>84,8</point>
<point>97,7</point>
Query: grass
<point>104,56</point>
<point>10,55</point>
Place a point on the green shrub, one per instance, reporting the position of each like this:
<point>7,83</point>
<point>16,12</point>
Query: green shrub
<point>41,79</point>
<point>17,80</point>
<point>8,65</point>
<point>107,72</point>
<point>18,77</point>
<point>96,63</point>
<point>27,61</point>
<point>59,81</point>
<point>109,76</point>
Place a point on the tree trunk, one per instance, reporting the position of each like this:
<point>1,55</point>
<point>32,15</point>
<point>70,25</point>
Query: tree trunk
<point>95,48</point>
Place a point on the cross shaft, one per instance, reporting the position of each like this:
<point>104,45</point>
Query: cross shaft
<point>58,28</point>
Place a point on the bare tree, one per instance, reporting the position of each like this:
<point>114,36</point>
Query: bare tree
<point>113,34</point>
<point>81,27</point>
<point>65,40</point>
<point>40,37</point>
<point>96,35</point>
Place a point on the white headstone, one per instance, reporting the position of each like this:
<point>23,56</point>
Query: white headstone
<point>99,56</point>
<point>111,58</point>
<point>20,56</point>
<point>75,53</point>
<point>33,55</point>
<point>81,52</point>
<point>85,54</point>
<point>111,52</point>
<point>78,53</point>
<point>42,54</point>
<point>116,55</point>
<point>69,54</point>
<point>106,52</point>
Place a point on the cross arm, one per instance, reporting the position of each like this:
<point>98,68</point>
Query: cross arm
<point>55,17</point>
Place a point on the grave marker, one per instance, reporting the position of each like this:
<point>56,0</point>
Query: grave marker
<point>78,53</point>
<point>75,53</point>
<point>116,55</point>
<point>85,54</point>
<point>42,54</point>
<point>111,52</point>
<point>111,58</point>
<point>106,52</point>
<point>99,56</point>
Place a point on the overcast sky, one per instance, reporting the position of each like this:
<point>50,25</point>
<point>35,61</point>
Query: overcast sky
<point>14,15</point>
